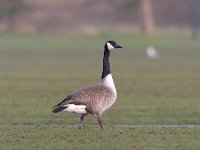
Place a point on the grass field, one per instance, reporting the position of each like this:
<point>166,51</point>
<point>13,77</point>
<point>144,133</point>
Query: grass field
<point>37,71</point>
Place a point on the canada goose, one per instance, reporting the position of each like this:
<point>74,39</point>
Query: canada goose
<point>94,99</point>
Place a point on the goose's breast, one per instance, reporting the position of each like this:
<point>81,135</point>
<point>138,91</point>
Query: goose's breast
<point>109,83</point>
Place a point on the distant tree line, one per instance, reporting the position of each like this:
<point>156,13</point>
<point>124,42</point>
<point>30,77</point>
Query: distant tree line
<point>10,10</point>
<point>149,16</point>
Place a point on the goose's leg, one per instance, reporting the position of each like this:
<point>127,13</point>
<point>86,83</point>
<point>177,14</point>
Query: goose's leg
<point>82,120</point>
<point>99,120</point>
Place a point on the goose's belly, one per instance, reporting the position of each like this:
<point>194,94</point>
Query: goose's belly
<point>108,104</point>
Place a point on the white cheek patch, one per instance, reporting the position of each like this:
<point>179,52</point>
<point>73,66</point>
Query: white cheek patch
<point>80,109</point>
<point>110,46</point>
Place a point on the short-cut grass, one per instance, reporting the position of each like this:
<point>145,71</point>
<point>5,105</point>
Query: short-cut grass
<point>37,71</point>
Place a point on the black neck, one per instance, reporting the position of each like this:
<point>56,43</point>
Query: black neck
<point>106,63</point>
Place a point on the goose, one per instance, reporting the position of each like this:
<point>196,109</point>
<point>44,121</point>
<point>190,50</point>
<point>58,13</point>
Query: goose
<point>96,98</point>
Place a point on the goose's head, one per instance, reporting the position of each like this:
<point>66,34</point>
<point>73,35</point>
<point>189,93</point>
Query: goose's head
<point>112,45</point>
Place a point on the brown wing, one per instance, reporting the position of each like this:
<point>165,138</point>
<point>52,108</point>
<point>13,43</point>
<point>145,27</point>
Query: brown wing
<point>86,95</point>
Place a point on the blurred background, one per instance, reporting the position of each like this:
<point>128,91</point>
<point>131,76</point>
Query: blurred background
<point>50,48</point>
<point>147,17</point>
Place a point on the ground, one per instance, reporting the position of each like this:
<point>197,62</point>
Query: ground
<point>37,71</point>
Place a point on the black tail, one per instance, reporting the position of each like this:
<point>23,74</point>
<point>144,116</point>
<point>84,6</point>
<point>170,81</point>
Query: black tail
<point>58,109</point>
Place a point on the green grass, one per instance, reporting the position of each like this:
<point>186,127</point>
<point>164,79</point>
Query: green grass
<point>37,71</point>
<point>60,137</point>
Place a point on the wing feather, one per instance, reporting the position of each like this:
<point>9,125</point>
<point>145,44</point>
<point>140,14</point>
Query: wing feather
<point>86,95</point>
